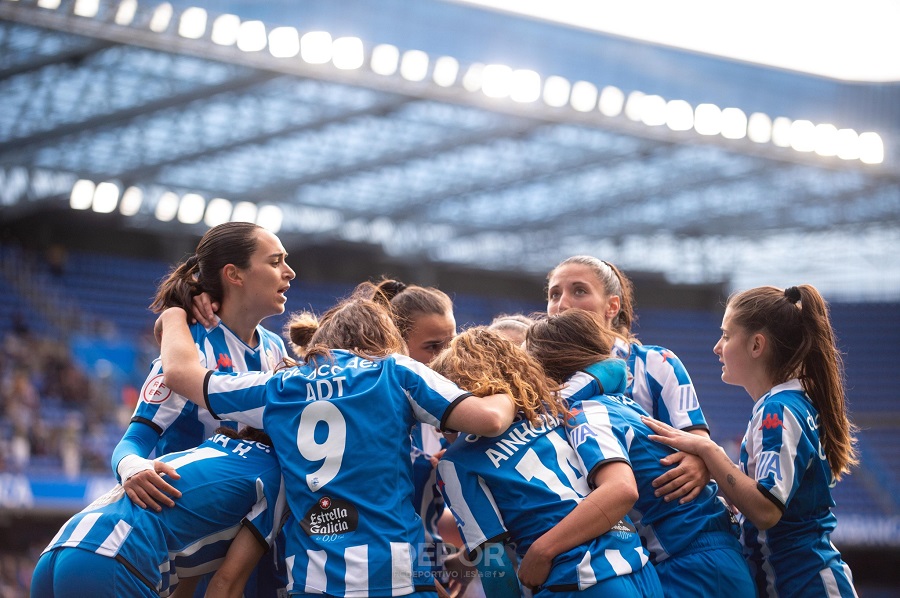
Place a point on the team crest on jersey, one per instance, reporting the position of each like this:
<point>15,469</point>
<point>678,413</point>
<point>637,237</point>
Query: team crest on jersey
<point>330,517</point>
<point>623,529</point>
<point>155,391</point>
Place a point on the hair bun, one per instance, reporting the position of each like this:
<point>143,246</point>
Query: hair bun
<point>391,288</point>
<point>792,294</point>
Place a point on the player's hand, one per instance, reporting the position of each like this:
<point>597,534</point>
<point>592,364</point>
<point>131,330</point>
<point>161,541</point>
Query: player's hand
<point>204,310</point>
<point>685,480</point>
<point>534,568</point>
<point>148,488</point>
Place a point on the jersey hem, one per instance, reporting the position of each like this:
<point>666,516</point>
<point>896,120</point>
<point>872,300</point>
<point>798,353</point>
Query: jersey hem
<point>770,496</point>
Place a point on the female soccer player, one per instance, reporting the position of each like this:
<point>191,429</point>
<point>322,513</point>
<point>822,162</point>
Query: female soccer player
<point>526,485</point>
<point>340,421</point>
<point>114,548</point>
<point>779,345</point>
<point>660,384</point>
<point>693,545</point>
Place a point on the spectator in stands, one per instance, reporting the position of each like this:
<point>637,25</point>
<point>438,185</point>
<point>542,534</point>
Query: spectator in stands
<point>780,347</point>
<point>693,545</point>
<point>512,326</point>
<point>525,484</point>
<point>242,269</point>
<point>361,536</point>
<point>114,548</point>
<point>660,383</point>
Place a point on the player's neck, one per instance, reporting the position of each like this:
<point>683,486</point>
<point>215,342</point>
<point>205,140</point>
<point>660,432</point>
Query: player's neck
<point>241,323</point>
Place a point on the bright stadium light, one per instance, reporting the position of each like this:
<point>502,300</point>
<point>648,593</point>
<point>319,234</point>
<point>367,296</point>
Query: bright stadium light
<point>472,79</point>
<point>315,47</point>
<point>385,59</point>
<point>708,119</point>
<point>125,13</point>
<point>556,91</point>
<point>826,142</point>
<point>131,201</point>
<point>734,123</point>
<point>166,207</point>
<point>251,36</point>
<point>225,30</point>
<point>270,217</point>
<point>633,105</point>
<point>86,8</point>
<point>759,128</point>
<point>679,115</point>
<point>106,197</point>
<point>244,211</point>
<point>192,24</point>
<point>218,211</point>
<point>584,96</point>
<point>49,4</point>
<point>653,111</point>
<point>871,148</point>
<point>781,131</point>
<point>348,53</point>
<point>414,65</point>
<point>284,42</point>
<point>526,86</point>
<point>612,101</point>
<point>162,17</point>
<point>847,144</point>
<point>82,194</point>
<point>803,136</point>
<point>446,70</point>
<point>190,210</point>
<point>496,80</point>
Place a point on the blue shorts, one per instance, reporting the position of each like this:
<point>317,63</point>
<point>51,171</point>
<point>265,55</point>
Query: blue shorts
<point>640,584</point>
<point>712,565</point>
<point>73,572</point>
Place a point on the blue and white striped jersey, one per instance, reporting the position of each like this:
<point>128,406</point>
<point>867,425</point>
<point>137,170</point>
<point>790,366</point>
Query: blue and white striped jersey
<point>522,483</point>
<point>427,441</point>
<point>667,528</point>
<point>180,423</point>
<point>223,482</point>
<point>782,451</point>
<point>660,384</point>
<point>341,429</point>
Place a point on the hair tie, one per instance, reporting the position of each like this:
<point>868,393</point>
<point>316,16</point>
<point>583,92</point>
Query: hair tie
<point>792,294</point>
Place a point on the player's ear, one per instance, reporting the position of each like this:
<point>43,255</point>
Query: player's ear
<point>232,275</point>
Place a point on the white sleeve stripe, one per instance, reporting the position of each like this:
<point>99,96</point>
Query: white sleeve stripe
<point>575,384</point>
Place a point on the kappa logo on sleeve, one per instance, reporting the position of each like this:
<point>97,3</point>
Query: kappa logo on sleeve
<point>770,422</point>
<point>155,392</point>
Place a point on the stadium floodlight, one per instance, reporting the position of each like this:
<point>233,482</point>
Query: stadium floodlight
<point>496,80</point>
<point>803,135</point>
<point>847,144</point>
<point>472,79</point>
<point>633,105</point>
<point>414,65</point>
<point>781,131</point>
<point>826,142</point>
<point>284,42</point>
<point>125,13</point>
<point>251,36</point>
<point>446,70</point>
<point>653,110</point>
<point>270,217</point>
<point>192,24</point>
<point>86,8</point>
<point>166,206</point>
<point>225,30</point>
<point>106,197</point>
<point>82,194</point>
<point>244,211</point>
<point>708,119</point>
<point>526,86</point>
<point>385,59</point>
<point>49,4</point>
<point>315,47</point>
<point>556,91</point>
<point>584,96</point>
<point>190,210</point>
<point>348,53</point>
<point>734,123</point>
<point>871,148</point>
<point>612,101</point>
<point>162,17</point>
<point>759,128</point>
<point>218,211</point>
<point>131,201</point>
<point>679,115</point>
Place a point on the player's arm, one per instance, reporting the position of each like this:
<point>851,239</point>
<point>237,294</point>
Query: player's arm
<point>141,477</point>
<point>615,492</point>
<point>185,588</point>
<point>740,489</point>
<point>182,372</point>
<point>242,556</point>
<point>485,416</point>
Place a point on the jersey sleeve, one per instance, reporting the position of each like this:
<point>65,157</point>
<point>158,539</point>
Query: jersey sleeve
<point>595,440</point>
<point>431,395</point>
<point>157,405</point>
<point>237,396</point>
<point>783,451</point>
<point>665,386</point>
<point>474,509</point>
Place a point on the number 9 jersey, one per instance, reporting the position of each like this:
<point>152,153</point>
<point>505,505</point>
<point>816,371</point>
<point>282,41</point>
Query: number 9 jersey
<point>341,430</point>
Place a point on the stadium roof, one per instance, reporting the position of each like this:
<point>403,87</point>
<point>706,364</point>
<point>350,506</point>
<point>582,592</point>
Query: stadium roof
<point>448,133</point>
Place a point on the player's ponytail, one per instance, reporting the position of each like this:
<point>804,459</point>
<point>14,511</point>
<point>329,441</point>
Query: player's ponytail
<point>568,342</point>
<point>179,287</point>
<point>409,302</point>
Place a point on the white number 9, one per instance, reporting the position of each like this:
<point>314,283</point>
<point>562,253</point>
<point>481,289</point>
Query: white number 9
<point>331,450</point>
